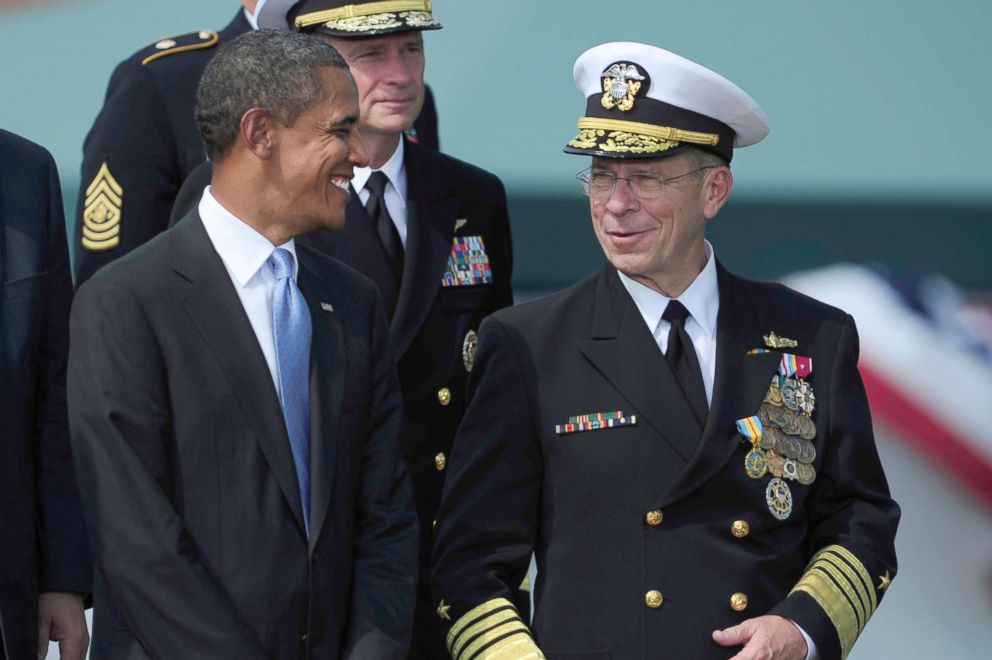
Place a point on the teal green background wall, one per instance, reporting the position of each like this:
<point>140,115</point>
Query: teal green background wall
<point>883,103</point>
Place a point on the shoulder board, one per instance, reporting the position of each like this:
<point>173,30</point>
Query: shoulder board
<point>181,44</point>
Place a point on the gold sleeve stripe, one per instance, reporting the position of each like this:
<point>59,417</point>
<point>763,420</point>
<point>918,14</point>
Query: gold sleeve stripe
<point>840,584</point>
<point>493,631</point>
<point>661,132</point>
<point>361,9</point>
<point>209,38</point>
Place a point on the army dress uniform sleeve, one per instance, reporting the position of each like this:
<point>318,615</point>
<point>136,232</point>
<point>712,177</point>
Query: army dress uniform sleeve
<point>487,522</point>
<point>853,520</point>
<point>132,168</point>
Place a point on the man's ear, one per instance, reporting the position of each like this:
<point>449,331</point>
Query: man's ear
<point>716,189</point>
<point>258,132</point>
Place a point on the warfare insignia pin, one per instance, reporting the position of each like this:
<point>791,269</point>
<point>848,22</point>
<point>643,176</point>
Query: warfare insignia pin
<point>774,341</point>
<point>102,212</point>
<point>779,498</point>
<point>468,263</point>
<point>460,222</point>
<point>468,349</point>
<point>621,83</point>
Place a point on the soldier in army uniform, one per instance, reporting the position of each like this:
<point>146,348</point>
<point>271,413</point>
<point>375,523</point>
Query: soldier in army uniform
<point>144,143</point>
<point>652,433</point>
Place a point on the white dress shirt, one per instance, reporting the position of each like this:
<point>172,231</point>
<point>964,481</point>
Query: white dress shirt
<point>252,18</point>
<point>395,193</point>
<point>245,254</point>
<point>702,299</point>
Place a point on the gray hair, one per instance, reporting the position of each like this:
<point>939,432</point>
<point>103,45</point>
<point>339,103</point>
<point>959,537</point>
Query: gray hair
<point>275,70</point>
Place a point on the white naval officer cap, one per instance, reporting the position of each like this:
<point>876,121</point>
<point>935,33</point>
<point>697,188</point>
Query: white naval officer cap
<point>647,102</point>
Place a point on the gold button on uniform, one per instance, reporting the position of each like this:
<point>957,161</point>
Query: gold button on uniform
<point>738,602</point>
<point>444,396</point>
<point>440,461</point>
<point>654,517</point>
<point>653,599</point>
<point>740,529</point>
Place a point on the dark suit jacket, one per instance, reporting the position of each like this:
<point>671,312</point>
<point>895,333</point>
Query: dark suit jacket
<point>42,536</point>
<point>580,500</point>
<point>147,135</point>
<point>447,199</point>
<point>190,489</point>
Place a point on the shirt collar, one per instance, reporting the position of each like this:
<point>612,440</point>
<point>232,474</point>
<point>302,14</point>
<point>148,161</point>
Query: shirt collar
<point>392,168</point>
<point>702,298</point>
<point>242,249</point>
<point>252,18</point>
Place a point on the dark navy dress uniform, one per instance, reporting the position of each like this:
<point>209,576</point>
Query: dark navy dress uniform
<point>145,143</point>
<point>647,537</point>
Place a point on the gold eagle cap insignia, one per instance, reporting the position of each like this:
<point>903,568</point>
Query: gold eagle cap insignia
<point>621,83</point>
<point>774,341</point>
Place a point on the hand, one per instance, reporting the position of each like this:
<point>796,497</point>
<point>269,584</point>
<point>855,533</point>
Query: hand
<point>61,619</point>
<point>764,638</point>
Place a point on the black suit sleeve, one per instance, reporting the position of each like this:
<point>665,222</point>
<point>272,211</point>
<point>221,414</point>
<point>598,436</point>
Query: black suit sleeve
<point>385,566</point>
<point>132,136</point>
<point>119,416</point>
<point>488,520</point>
<point>852,519</point>
<point>64,563</point>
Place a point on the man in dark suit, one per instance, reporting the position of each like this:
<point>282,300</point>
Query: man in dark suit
<point>45,568</point>
<point>438,248</point>
<point>652,433</point>
<point>238,434</point>
<point>145,142</point>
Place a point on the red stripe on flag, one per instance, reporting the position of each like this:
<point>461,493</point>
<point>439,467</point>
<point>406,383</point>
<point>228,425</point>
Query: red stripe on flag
<point>927,435</point>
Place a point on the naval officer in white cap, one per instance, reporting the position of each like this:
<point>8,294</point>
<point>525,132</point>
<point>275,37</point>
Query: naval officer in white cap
<point>657,434</point>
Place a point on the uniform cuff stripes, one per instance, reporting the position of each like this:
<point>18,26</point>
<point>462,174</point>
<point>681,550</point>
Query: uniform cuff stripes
<point>492,631</point>
<point>841,585</point>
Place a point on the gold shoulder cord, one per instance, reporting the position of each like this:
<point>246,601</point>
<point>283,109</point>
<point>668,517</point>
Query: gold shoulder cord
<point>211,40</point>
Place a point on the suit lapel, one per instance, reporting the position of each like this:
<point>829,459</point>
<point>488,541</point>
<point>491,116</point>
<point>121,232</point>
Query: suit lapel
<point>624,351</point>
<point>205,290</point>
<point>327,370</point>
<point>358,245</point>
<point>430,225</point>
<point>739,386</point>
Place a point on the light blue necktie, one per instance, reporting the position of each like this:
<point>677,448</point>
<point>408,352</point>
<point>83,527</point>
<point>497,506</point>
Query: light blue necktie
<point>291,323</point>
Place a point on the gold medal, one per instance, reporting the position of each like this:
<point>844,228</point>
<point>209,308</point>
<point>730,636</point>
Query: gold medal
<point>774,395</point>
<point>775,463</point>
<point>788,446</point>
<point>755,464</point>
<point>805,427</point>
<point>769,437</point>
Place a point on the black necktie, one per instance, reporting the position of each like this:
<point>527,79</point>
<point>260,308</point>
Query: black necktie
<point>376,207</point>
<point>681,357</point>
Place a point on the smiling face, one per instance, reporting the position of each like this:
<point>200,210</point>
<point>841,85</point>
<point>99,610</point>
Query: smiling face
<point>659,241</point>
<point>314,159</point>
<point>389,72</point>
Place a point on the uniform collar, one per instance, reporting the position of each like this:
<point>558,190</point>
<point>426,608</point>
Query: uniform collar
<point>392,168</point>
<point>242,249</point>
<point>702,298</point>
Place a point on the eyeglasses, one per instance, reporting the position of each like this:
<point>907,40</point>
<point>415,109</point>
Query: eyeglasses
<point>600,184</point>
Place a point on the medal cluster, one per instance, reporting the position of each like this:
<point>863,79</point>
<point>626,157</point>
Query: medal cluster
<point>782,433</point>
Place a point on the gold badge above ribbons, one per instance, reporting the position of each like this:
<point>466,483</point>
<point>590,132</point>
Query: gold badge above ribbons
<point>102,212</point>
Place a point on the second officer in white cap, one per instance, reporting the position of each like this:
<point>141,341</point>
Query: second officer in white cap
<point>657,434</point>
